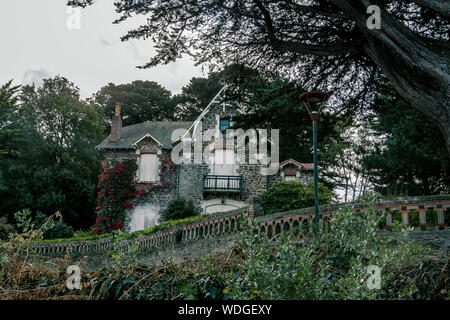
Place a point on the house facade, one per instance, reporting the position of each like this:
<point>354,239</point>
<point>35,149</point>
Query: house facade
<point>219,178</point>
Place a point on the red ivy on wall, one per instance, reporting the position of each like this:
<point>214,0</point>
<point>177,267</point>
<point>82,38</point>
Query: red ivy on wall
<point>116,190</point>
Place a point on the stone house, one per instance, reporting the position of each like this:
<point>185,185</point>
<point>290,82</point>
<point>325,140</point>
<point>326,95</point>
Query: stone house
<point>215,183</point>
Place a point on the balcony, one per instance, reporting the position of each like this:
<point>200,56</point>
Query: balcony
<point>221,183</point>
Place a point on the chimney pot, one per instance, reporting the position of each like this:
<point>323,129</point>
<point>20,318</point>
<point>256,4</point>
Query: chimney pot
<point>116,125</point>
<point>117,111</point>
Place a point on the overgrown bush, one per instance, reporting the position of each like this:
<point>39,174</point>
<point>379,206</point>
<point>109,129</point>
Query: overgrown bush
<point>58,230</point>
<point>179,209</point>
<point>292,266</point>
<point>290,195</point>
<point>55,229</point>
<point>22,276</point>
<point>5,228</point>
<point>335,265</point>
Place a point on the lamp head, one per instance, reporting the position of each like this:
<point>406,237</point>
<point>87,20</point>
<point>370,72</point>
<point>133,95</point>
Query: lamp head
<point>314,98</point>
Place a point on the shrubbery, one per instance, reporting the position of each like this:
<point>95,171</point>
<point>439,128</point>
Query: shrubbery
<point>55,229</point>
<point>330,266</point>
<point>292,266</point>
<point>179,209</point>
<point>5,228</point>
<point>334,265</point>
<point>290,195</point>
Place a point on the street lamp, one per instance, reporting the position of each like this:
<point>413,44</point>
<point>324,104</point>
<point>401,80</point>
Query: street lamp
<point>310,100</point>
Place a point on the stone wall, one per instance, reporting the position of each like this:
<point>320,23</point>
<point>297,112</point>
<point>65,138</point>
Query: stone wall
<point>190,184</point>
<point>191,175</point>
<point>184,251</point>
<point>158,194</point>
<point>254,183</point>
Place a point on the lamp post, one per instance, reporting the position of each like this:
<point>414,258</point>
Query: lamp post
<point>317,99</point>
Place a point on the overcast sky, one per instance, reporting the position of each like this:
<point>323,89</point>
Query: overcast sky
<point>37,43</point>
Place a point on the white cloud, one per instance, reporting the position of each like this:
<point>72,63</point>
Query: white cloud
<point>35,76</point>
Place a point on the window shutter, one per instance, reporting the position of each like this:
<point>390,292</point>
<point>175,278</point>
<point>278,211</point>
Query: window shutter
<point>224,162</point>
<point>148,167</point>
<point>143,218</point>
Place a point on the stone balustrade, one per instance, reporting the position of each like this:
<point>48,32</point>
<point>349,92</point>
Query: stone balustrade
<point>421,212</point>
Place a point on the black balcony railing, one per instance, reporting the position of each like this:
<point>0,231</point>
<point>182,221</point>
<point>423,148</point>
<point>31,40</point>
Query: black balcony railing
<point>222,183</point>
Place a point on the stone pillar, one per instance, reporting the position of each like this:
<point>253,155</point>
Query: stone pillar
<point>422,217</point>
<point>440,216</point>
<point>405,216</point>
<point>389,220</point>
<point>254,207</point>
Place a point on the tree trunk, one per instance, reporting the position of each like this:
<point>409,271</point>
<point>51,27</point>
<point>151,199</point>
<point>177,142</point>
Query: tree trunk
<point>417,70</point>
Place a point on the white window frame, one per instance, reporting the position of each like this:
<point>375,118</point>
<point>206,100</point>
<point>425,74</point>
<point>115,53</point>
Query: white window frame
<point>153,165</point>
<point>290,178</point>
<point>144,217</point>
<point>224,162</point>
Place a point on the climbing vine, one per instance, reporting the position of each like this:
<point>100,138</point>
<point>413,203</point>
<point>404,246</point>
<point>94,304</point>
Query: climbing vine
<point>116,190</point>
<point>167,166</point>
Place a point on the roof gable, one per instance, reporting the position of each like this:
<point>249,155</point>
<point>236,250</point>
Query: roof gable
<point>301,166</point>
<point>160,131</point>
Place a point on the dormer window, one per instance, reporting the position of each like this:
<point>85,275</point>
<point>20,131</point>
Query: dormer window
<point>223,125</point>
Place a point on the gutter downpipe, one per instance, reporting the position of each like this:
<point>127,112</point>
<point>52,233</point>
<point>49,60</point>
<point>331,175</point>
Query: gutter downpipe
<point>178,180</point>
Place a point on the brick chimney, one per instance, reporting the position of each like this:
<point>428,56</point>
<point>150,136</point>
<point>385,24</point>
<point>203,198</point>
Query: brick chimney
<point>116,125</point>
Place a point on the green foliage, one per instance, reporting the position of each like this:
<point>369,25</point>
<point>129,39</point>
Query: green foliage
<point>53,164</point>
<point>331,266</point>
<point>179,209</point>
<point>290,195</point>
<point>141,101</point>
<point>5,228</point>
<point>196,95</point>
<point>8,99</point>
<point>414,218</point>
<point>58,230</point>
<point>411,158</point>
<point>54,229</point>
<point>115,189</point>
<point>431,218</point>
<point>23,220</point>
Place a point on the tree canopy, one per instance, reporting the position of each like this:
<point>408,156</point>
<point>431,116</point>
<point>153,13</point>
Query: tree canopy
<point>54,165</point>
<point>411,159</point>
<point>321,44</point>
<point>141,101</point>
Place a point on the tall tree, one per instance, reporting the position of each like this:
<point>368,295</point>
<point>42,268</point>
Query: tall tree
<point>8,100</point>
<point>411,158</point>
<point>324,44</point>
<point>55,164</point>
<point>141,101</point>
<point>199,92</point>
<point>347,171</point>
<point>195,96</point>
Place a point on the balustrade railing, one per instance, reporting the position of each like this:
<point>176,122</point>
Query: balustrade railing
<point>423,212</point>
<point>222,183</point>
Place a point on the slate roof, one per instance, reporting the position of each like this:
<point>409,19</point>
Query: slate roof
<point>159,130</point>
